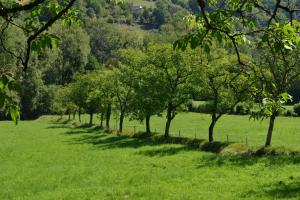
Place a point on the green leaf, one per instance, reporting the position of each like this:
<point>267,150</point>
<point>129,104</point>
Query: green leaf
<point>13,86</point>
<point>288,47</point>
<point>2,100</point>
<point>5,80</point>
<point>1,85</point>
<point>207,48</point>
<point>45,41</point>
<point>15,114</point>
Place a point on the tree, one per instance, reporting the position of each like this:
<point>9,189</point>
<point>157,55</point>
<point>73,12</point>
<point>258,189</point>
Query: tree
<point>32,89</point>
<point>107,39</point>
<point>34,29</point>
<point>277,67</point>
<point>33,26</point>
<point>75,50</point>
<point>223,84</point>
<point>148,95</point>
<point>70,57</point>
<point>107,92</point>
<point>58,104</point>
<point>176,70</point>
<point>123,91</point>
<point>234,23</point>
<point>70,107</point>
<point>149,98</point>
<point>8,97</point>
<point>86,95</point>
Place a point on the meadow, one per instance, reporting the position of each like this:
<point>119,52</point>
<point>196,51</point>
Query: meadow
<point>235,128</point>
<point>43,160</point>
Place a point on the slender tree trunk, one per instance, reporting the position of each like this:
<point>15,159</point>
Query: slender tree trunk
<point>91,119</point>
<point>148,130</point>
<point>79,115</point>
<point>108,114</point>
<point>69,117</point>
<point>211,127</point>
<point>168,122</point>
<point>167,128</point>
<point>121,121</point>
<point>270,130</point>
<point>101,119</point>
<point>74,114</point>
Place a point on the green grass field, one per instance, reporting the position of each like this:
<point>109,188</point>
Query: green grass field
<point>40,160</point>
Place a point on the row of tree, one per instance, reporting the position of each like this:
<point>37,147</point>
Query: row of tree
<point>159,80</point>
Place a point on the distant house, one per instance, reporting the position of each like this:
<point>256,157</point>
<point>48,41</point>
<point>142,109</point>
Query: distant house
<point>136,8</point>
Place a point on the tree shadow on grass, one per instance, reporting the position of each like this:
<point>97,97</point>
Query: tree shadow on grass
<point>282,189</point>
<point>248,160</point>
<point>81,129</point>
<point>101,140</point>
<point>76,131</point>
<point>104,141</point>
<point>164,151</point>
<point>97,137</point>
<point>59,126</point>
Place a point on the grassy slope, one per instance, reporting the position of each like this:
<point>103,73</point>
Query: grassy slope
<point>44,161</point>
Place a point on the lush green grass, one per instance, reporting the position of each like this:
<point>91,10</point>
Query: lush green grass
<point>53,161</point>
<point>236,128</point>
<point>43,161</point>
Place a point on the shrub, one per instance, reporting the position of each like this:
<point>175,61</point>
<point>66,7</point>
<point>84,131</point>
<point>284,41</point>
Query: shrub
<point>297,109</point>
<point>191,107</point>
<point>290,113</point>
<point>204,108</point>
<point>273,151</point>
<point>242,109</point>
<point>235,149</point>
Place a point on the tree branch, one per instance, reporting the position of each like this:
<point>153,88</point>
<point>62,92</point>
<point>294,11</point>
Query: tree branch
<point>41,30</point>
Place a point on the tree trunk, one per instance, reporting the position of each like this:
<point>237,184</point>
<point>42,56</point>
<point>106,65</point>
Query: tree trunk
<point>121,121</point>
<point>168,122</point>
<point>69,117</point>
<point>101,119</point>
<point>167,128</point>
<point>74,114</point>
<point>108,114</point>
<point>148,131</point>
<point>270,131</point>
<point>91,119</point>
<point>79,115</point>
<point>211,128</point>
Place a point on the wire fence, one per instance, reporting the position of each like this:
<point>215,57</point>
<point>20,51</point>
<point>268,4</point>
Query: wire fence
<point>192,133</point>
<point>251,137</point>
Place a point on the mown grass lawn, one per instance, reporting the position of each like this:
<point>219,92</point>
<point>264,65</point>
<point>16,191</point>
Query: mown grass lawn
<point>39,160</point>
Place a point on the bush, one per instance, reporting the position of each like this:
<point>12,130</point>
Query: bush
<point>242,109</point>
<point>273,151</point>
<point>297,109</point>
<point>191,107</point>
<point>290,113</point>
<point>235,149</point>
<point>204,108</point>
